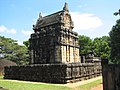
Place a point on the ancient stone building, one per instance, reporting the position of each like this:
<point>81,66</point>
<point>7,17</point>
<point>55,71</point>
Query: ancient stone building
<point>54,52</point>
<point>53,40</point>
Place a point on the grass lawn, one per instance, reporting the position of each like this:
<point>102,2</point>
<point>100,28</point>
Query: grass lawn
<point>89,85</point>
<point>14,85</point>
<point>11,85</point>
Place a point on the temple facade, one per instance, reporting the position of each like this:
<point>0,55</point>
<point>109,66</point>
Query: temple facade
<point>53,40</point>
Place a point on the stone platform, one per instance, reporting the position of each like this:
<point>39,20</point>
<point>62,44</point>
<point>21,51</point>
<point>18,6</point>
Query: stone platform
<point>54,73</point>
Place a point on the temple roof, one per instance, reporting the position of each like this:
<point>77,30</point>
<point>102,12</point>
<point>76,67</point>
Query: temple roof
<point>51,19</point>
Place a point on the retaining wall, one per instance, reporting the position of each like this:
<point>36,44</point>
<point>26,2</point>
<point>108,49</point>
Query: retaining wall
<point>54,73</point>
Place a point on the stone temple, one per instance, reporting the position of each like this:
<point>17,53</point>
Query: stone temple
<point>54,53</point>
<point>53,40</point>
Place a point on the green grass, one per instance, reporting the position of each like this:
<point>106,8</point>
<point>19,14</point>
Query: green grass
<point>90,85</point>
<point>29,86</point>
<point>1,77</point>
<point>14,85</point>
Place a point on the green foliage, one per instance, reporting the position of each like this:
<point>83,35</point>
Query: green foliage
<point>85,44</point>
<point>117,13</point>
<point>99,45</point>
<point>10,50</point>
<point>115,42</point>
<point>26,43</point>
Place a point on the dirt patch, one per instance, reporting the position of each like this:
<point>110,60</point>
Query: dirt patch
<point>73,85</point>
<point>98,87</point>
<point>1,88</point>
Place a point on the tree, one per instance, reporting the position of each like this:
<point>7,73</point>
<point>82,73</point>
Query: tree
<point>10,50</point>
<point>117,13</point>
<point>85,44</point>
<point>26,43</point>
<point>115,42</point>
<point>101,47</point>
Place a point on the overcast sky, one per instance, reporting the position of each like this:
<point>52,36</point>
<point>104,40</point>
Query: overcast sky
<point>93,18</point>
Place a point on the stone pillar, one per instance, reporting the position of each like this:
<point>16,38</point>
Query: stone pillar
<point>67,54</point>
<point>71,55</point>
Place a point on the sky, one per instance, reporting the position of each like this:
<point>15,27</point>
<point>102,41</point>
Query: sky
<point>93,18</point>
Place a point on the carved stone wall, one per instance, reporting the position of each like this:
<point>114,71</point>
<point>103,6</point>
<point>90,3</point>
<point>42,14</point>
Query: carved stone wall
<point>50,73</point>
<point>54,73</point>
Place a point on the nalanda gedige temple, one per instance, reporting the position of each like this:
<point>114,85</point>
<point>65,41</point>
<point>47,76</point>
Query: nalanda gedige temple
<point>54,53</point>
<point>53,40</point>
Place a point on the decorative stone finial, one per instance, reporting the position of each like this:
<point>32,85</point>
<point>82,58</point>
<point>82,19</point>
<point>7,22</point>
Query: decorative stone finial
<point>65,8</point>
<point>40,16</point>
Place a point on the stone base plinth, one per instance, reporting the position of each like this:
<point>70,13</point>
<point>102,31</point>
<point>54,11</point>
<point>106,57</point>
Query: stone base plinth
<point>53,73</point>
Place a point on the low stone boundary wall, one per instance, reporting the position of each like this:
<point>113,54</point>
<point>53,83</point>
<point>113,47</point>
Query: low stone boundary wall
<point>78,72</point>
<point>53,73</point>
